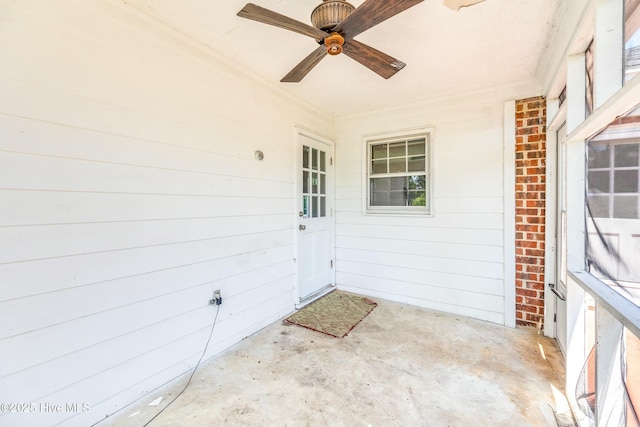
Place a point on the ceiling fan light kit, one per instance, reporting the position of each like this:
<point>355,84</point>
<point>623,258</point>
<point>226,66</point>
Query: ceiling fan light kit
<point>334,44</point>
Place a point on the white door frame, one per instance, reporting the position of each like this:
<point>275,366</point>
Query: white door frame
<point>299,132</point>
<point>557,119</point>
<point>550,226</point>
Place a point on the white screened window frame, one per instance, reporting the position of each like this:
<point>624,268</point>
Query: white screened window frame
<point>388,138</point>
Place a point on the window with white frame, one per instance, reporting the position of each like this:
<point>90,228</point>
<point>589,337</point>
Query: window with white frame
<point>398,175</point>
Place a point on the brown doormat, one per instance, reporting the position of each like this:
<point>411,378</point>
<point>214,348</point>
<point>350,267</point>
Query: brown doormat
<point>334,314</point>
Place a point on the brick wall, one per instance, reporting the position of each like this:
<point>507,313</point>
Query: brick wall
<point>530,210</point>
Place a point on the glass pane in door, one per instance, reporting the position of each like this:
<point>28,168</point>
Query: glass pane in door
<point>305,157</point>
<point>305,182</point>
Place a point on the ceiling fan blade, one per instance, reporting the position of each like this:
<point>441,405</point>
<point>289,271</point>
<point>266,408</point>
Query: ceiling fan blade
<point>459,4</point>
<point>378,62</point>
<point>266,16</point>
<point>306,65</point>
<point>371,13</point>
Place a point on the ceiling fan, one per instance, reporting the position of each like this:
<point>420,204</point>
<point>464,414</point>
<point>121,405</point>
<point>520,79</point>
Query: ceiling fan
<point>335,24</point>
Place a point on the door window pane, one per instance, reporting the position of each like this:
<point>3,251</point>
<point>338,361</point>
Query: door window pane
<point>625,207</point>
<point>314,182</point>
<point>599,181</point>
<point>305,157</point>
<point>614,168</point>
<point>626,155</point>
<point>599,206</point>
<point>305,181</point>
<point>599,156</point>
<point>625,181</point>
<point>314,207</point>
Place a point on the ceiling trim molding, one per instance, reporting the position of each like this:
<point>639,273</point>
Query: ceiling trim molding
<point>518,90</point>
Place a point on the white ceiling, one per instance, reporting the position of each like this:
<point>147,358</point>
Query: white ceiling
<point>492,43</point>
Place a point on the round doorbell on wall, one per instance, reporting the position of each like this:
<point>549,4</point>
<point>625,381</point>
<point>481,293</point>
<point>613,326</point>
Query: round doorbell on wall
<point>259,155</point>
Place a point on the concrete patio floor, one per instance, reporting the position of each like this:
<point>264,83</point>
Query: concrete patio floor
<point>401,366</point>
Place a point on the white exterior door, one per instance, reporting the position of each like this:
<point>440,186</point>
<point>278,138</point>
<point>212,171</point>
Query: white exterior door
<point>315,217</point>
<point>614,201</point>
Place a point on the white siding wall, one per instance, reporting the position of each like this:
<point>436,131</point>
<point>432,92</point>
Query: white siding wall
<point>455,260</point>
<point>128,193</point>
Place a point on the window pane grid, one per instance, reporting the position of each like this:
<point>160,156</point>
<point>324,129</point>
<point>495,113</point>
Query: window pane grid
<point>398,174</point>
<point>314,183</point>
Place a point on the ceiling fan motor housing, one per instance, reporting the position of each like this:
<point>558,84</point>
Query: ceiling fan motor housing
<point>330,13</point>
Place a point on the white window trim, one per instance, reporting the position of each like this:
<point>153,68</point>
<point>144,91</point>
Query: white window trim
<point>422,132</point>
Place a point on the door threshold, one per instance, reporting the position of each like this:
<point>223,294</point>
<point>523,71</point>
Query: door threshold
<point>314,296</point>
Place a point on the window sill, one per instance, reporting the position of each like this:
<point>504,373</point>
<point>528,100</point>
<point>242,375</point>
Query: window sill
<point>389,212</point>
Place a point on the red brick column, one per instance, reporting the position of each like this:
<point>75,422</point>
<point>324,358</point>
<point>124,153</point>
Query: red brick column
<point>530,189</point>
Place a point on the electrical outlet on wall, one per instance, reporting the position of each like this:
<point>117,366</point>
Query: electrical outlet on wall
<point>217,298</point>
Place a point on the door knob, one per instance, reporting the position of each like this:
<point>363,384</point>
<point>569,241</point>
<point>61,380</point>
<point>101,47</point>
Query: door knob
<point>302,227</point>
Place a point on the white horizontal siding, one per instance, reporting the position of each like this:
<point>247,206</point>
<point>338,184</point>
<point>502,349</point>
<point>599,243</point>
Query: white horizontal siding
<point>425,248</point>
<point>137,248</point>
<point>458,220</point>
<point>409,296</point>
<point>478,301</point>
<point>62,305</point>
<point>406,232</point>
<point>423,276</point>
<point>129,192</point>
<point>454,260</point>
<point>149,180</point>
<point>122,320</point>
<point>61,207</point>
<point>180,319</point>
<point>490,270</point>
